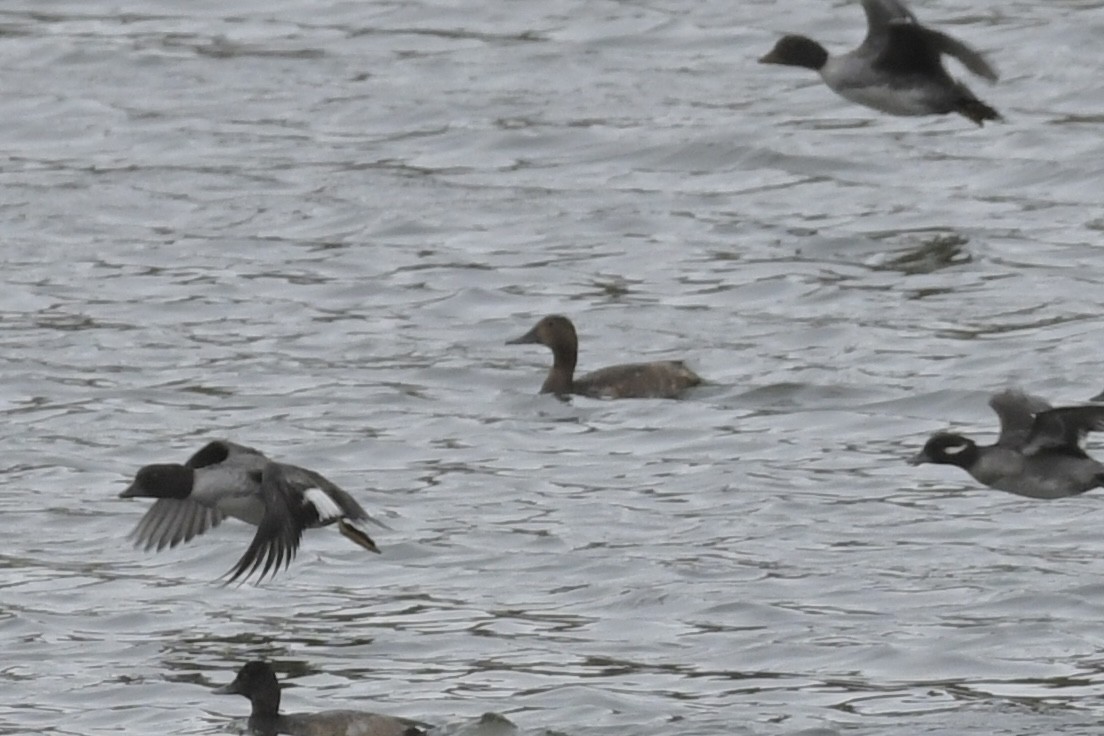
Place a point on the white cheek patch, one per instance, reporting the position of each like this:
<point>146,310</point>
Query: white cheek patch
<point>326,507</point>
<point>955,449</point>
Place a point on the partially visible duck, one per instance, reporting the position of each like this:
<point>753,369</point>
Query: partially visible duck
<point>897,69</point>
<point>665,379</point>
<point>226,479</point>
<point>1038,453</point>
<point>257,681</point>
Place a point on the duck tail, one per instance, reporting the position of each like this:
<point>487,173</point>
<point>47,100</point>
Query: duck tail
<point>358,536</point>
<point>977,111</point>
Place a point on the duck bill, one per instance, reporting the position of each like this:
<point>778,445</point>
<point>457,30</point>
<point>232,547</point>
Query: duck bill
<point>770,58</point>
<point>528,338</point>
<point>228,689</point>
<point>130,492</point>
<point>919,458</point>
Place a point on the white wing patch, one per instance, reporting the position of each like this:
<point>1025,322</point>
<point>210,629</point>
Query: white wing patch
<point>327,508</point>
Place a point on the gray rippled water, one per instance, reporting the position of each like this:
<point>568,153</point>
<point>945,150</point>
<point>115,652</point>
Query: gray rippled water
<point>311,226</point>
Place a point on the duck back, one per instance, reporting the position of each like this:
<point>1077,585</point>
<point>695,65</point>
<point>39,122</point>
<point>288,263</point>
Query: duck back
<point>345,723</point>
<point>665,379</point>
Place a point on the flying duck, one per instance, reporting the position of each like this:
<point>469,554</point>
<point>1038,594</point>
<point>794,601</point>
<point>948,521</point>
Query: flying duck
<point>897,69</point>
<point>1038,453</point>
<point>226,479</point>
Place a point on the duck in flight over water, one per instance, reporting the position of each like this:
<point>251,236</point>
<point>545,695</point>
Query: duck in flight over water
<point>1037,454</point>
<point>226,479</point>
<point>897,69</point>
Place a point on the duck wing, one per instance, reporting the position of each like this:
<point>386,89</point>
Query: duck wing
<point>1063,429</point>
<point>1017,411</point>
<point>879,15</point>
<point>324,502</point>
<point>171,521</point>
<point>941,43</point>
<point>282,524</point>
<point>296,499</point>
<point>341,504</point>
<point>910,48</point>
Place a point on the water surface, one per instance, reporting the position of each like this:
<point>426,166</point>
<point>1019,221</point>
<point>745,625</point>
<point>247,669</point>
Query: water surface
<point>310,227</point>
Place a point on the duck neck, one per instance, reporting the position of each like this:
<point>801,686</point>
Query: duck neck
<point>561,377</point>
<point>266,702</point>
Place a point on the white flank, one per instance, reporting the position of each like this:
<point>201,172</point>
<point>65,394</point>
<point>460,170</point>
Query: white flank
<point>326,507</point>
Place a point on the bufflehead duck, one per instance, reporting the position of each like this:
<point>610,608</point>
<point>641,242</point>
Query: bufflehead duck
<point>226,479</point>
<point>897,68</point>
<point>664,379</point>
<point>1037,454</point>
<point>257,681</point>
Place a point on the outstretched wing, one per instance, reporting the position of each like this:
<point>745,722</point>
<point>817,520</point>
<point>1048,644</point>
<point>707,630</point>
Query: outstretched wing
<point>277,538</point>
<point>907,47</point>
<point>908,50</point>
<point>1063,429</point>
<point>879,14</point>
<point>941,43</point>
<point>1017,411</point>
<point>171,521</point>
<point>304,479</point>
<point>296,499</point>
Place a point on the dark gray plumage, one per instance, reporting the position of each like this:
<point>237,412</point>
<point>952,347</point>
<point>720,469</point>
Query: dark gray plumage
<point>257,681</point>
<point>1038,453</point>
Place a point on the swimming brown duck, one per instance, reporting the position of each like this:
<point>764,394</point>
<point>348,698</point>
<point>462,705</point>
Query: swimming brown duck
<point>665,379</point>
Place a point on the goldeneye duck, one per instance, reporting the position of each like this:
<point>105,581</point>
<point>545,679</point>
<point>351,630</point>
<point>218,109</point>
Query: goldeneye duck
<point>665,379</point>
<point>897,68</point>
<point>226,479</point>
<point>1037,454</point>
<point>257,681</point>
